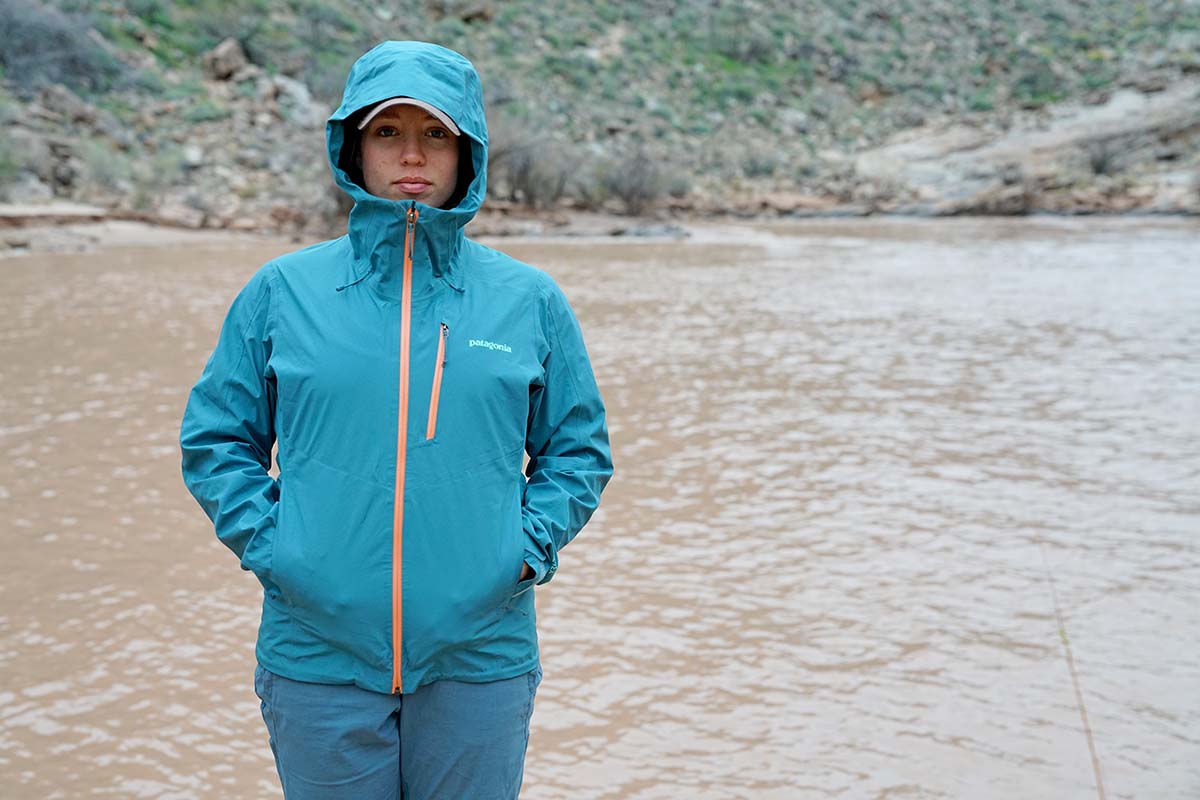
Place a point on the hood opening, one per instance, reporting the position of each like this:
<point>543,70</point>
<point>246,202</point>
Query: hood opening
<point>429,73</point>
<point>350,158</point>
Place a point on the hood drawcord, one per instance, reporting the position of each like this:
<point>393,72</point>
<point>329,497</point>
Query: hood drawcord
<point>359,279</point>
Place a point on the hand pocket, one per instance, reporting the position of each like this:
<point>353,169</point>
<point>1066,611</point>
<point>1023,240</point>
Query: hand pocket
<point>523,585</point>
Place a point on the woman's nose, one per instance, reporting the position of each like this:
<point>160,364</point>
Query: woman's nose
<point>411,151</point>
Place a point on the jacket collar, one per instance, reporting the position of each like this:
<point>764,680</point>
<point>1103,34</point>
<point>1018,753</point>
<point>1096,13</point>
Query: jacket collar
<point>377,231</point>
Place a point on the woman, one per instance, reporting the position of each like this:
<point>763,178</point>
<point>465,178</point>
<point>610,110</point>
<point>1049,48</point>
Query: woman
<point>404,371</point>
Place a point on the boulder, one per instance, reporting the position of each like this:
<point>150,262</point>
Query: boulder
<point>288,217</point>
<point>995,200</point>
<point>30,149</point>
<point>793,202</point>
<point>794,120</point>
<point>224,60</point>
<point>296,102</point>
<point>181,208</point>
<point>60,100</point>
<point>193,156</point>
<point>465,10</point>
<point>26,188</point>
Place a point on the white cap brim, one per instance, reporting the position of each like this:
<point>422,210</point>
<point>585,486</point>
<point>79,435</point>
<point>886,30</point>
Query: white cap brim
<point>436,112</point>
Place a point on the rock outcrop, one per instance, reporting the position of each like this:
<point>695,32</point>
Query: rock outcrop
<point>1137,151</point>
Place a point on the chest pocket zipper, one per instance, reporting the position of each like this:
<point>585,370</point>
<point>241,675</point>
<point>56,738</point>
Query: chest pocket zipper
<point>436,394</point>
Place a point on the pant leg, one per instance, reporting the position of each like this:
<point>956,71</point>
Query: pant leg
<point>331,742</point>
<point>466,740</point>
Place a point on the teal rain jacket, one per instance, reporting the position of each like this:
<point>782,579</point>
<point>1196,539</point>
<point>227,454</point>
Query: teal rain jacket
<point>404,371</point>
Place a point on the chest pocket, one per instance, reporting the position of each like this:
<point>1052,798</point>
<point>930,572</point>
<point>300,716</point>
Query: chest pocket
<point>477,396</point>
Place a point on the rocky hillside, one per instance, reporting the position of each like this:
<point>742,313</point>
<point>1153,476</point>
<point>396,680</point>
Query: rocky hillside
<point>209,113</point>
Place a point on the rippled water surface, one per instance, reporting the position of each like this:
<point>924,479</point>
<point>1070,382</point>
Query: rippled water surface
<point>903,509</point>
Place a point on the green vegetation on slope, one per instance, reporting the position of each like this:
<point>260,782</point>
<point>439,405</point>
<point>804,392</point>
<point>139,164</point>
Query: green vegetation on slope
<point>751,92</point>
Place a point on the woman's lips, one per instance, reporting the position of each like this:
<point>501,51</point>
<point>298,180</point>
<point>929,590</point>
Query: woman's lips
<point>412,185</point>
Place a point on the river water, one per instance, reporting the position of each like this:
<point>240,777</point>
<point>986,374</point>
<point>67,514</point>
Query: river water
<point>903,509</point>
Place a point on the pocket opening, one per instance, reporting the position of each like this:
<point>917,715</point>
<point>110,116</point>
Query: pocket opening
<point>435,394</point>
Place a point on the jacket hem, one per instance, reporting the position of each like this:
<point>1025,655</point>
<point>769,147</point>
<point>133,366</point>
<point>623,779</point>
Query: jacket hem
<point>286,669</point>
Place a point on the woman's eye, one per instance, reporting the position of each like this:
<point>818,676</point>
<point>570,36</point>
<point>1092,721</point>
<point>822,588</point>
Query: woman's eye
<point>385,130</point>
<point>437,133</point>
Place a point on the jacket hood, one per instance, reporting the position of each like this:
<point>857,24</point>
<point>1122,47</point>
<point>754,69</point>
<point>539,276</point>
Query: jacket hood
<point>440,77</point>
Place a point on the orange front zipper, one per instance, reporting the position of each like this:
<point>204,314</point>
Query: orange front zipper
<point>434,396</point>
<point>401,451</point>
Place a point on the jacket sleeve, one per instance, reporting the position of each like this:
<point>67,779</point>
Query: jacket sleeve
<point>228,430</point>
<point>566,440</point>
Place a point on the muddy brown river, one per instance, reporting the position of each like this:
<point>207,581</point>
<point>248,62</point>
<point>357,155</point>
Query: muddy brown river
<point>903,509</point>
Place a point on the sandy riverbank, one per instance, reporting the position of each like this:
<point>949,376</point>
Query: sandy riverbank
<point>74,228</point>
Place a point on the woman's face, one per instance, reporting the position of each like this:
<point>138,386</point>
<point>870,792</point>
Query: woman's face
<point>407,154</point>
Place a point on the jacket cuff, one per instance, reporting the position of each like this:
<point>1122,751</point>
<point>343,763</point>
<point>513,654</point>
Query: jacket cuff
<point>540,553</point>
<point>543,571</point>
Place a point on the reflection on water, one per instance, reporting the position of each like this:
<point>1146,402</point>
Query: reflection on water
<point>851,458</point>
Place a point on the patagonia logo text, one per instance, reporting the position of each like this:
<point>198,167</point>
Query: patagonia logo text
<point>489,345</point>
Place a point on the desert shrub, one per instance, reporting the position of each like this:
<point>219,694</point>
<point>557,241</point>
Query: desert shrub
<point>104,165</point>
<point>586,187</point>
<point>631,184</point>
<point>1102,156</point>
<point>981,99</point>
<point>211,21</point>
<point>1099,76</point>
<point>325,76</point>
<point>187,89</point>
<point>535,176</point>
<point>9,165</point>
<point>206,110</point>
<point>523,167</point>
<point>1036,84</point>
<point>741,37</point>
<point>41,46</point>
<point>23,150</point>
<point>9,110</point>
<point>636,181</point>
<point>153,176</point>
<point>154,12</point>
<point>760,165</point>
<point>576,72</point>
<point>678,185</point>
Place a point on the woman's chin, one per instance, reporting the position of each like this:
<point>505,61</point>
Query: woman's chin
<point>427,197</point>
<point>430,196</point>
<point>396,193</point>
